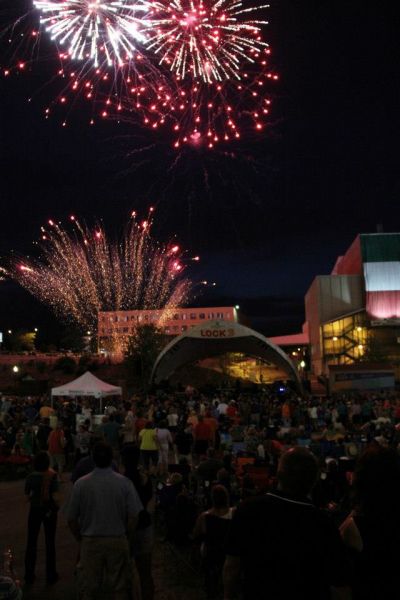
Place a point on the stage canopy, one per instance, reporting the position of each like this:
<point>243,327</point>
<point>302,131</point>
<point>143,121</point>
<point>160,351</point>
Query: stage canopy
<point>87,385</point>
<point>219,337</point>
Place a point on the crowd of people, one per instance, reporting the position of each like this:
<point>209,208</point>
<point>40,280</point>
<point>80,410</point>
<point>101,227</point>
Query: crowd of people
<point>271,494</point>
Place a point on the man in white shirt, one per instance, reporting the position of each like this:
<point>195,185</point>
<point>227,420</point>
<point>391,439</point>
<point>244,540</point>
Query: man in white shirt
<point>222,408</point>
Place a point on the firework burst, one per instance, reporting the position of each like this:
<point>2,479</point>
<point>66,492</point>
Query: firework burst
<point>203,39</point>
<point>84,272</point>
<point>199,68</point>
<point>94,30</point>
<point>200,114</point>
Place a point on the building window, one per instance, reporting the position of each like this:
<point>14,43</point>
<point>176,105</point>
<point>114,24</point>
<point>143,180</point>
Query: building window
<point>125,330</point>
<point>184,327</point>
<point>210,316</point>
<point>220,315</point>
<point>193,316</point>
<point>202,316</point>
<point>176,317</point>
<point>184,316</point>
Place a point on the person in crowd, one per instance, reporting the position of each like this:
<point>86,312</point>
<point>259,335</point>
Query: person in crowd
<point>209,467</point>
<point>102,513</point>
<point>143,540</point>
<point>46,411</point>
<point>43,433</point>
<point>203,436</point>
<point>371,532</point>
<point>30,445</point>
<point>281,545</point>
<point>141,421</point>
<point>128,429</point>
<point>173,419</point>
<point>164,442</point>
<point>110,430</point>
<point>184,443</point>
<point>192,419</point>
<point>41,489</point>
<point>87,464</point>
<point>82,443</point>
<point>57,444</point>
<point>149,446</point>
<point>212,529</point>
<point>222,408</point>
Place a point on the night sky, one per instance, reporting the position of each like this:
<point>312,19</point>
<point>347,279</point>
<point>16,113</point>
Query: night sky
<point>266,215</point>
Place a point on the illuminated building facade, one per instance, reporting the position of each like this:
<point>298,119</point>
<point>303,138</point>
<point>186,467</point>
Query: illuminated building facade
<point>354,313</point>
<point>122,324</point>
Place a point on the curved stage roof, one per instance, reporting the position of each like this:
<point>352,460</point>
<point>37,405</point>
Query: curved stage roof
<point>215,338</point>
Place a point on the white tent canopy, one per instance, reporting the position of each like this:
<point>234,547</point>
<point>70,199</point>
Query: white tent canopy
<point>87,385</point>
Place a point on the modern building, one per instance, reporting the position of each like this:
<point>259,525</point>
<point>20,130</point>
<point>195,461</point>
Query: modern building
<point>353,314</point>
<point>122,324</point>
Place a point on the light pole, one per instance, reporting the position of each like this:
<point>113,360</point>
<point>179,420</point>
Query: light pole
<point>15,370</point>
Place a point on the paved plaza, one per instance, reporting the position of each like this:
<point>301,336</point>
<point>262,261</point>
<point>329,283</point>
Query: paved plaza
<point>175,579</point>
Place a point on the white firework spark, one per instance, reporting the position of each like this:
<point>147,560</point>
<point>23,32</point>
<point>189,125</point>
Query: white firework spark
<point>94,30</point>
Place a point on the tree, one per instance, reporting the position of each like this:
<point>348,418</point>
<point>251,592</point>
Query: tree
<point>373,351</point>
<point>142,351</point>
<point>72,339</point>
<point>66,364</point>
<point>20,341</point>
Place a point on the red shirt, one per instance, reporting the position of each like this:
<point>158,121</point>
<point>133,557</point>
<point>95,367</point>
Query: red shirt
<point>202,431</point>
<point>211,423</point>
<point>56,446</point>
<point>140,423</point>
<point>231,411</point>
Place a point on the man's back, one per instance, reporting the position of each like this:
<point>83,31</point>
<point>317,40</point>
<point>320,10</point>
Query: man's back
<point>288,549</point>
<point>102,501</point>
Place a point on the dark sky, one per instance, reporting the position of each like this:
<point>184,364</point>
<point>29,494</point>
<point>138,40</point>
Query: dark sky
<point>272,216</point>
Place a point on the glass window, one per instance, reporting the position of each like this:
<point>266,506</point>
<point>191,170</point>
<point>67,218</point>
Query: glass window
<point>176,317</point>
<point>183,316</point>
<point>210,316</point>
<point>193,316</point>
<point>202,316</point>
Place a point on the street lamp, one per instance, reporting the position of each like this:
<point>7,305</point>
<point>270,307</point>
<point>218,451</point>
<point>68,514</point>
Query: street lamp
<point>15,369</point>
